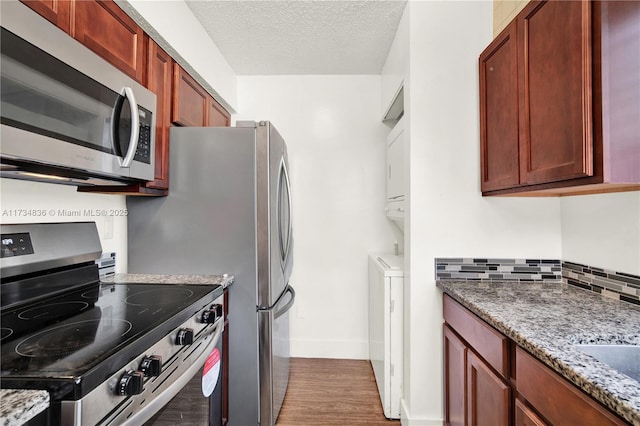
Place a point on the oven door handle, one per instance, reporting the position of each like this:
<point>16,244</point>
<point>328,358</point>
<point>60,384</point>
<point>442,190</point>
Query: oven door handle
<point>172,390</point>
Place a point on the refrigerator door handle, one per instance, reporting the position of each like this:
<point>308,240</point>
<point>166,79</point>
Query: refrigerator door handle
<point>284,239</point>
<point>286,307</point>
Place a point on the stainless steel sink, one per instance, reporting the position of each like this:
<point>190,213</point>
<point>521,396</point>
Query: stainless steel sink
<point>623,358</point>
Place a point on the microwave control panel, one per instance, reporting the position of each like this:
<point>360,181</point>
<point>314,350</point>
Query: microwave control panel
<point>143,153</point>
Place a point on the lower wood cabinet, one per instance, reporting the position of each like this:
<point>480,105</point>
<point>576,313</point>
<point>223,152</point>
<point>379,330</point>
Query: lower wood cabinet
<point>474,393</point>
<point>525,416</point>
<point>489,380</point>
<point>558,400</point>
<point>455,379</point>
<point>488,395</point>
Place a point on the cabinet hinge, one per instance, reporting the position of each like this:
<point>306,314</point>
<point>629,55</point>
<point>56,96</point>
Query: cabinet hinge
<point>392,369</point>
<point>392,306</point>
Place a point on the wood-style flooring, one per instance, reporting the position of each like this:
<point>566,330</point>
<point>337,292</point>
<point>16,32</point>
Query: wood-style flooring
<point>332,392</point>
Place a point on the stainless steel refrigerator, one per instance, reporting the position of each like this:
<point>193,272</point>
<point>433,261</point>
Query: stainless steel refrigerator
<point>229,211</point>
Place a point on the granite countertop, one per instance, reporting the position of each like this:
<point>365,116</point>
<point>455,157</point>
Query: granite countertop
<point>224,280</point>
<point>19,406</point>
<point>548,319</point>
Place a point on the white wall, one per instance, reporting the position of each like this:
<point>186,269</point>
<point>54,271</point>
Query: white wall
<point>603,231</point>
<point>447,214</point>
<point>58,202</point>
<point>177,25</point>
<point>336,151</point>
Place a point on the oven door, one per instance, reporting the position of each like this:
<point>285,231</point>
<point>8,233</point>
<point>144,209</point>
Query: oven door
<point>190,406</point>
<point>64,114</point>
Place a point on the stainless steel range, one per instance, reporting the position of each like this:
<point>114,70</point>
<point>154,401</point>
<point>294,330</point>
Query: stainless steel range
<point>107,353</point>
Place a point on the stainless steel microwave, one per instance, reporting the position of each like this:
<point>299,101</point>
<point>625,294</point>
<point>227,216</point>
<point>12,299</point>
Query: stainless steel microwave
<point>68,116</point>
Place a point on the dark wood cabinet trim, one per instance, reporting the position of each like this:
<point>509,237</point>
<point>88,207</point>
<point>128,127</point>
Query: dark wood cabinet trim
<point>484,339</point>
<point>217,115</point>
<point>159,81</point>
<point>488,396</point>
<point>560,401</point>
<point>190,102</point>
<point>524,416</point>
<point>611,160</point>
<point>58,12</point>
<point>499,120</point>
<point>455,378</point>
<point>128,55</point>
<point>577,131</point>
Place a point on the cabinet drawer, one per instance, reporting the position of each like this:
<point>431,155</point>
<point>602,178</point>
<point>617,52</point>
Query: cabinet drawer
<point>487,342</point>
<point>559,401</point>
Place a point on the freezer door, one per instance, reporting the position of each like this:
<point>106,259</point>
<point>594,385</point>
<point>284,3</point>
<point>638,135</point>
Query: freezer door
<point>275,240</point>
<point>273,354</point>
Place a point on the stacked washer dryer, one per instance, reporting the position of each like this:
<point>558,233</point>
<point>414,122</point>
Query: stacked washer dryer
<point>386,282</point>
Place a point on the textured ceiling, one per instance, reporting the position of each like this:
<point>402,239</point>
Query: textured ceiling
<point>301,36</point>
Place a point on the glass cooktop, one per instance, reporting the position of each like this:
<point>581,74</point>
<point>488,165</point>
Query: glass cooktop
<point>125,320</point>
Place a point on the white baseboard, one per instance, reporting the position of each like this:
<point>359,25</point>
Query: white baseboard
<point>336,349</point>
<point>407,420</point>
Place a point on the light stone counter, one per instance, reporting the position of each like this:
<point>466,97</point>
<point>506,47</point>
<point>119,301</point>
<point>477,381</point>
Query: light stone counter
<point>19,406</point>
<point>548,319</point>
<point>224,280</point>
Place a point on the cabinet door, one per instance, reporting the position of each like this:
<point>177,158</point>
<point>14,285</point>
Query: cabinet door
<point>395,162</point>
<point>190,100</point>
<point>58,12</point>
<point>558,400</point>
<point>526,417</point>
<point>488,397</point>
<point>499,113</point>
<point>104,28</point>
<point>159,82</point>
<point>556,141</point>
<point>217,115</point>
<point>455,379</point>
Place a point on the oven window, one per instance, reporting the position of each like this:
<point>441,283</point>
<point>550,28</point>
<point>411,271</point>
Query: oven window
<point>44,95</point>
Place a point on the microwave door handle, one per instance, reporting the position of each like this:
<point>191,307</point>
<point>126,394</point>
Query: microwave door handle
<point>135,127</point>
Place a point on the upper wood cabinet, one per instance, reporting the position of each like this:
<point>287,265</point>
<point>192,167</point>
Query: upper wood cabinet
<point>58,12</point>
<point>193,105</point>
<point>499,112</point>
<point>190,100</point>
<point>217,116</point>
<point>159,76</point>
<point>108,31</point>
<point>550,86</point>
<point>554,63</point>
<point>104,28</point>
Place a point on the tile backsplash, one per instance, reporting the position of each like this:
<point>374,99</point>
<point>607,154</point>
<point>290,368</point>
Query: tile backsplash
<point>498,269</point>
<point>616,285</point>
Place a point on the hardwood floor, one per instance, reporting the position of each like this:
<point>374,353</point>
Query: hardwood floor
<point>332,392</point>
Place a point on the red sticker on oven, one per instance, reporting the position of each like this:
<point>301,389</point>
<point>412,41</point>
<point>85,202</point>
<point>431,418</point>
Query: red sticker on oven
<point>211,372</point>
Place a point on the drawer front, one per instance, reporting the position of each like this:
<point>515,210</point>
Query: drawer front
<point>558,400</point>
<point>485,341</point>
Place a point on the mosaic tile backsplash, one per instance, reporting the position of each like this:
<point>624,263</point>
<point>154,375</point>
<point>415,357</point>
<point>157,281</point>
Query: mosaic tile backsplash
<point>498,269</point>
<point>616,285</point>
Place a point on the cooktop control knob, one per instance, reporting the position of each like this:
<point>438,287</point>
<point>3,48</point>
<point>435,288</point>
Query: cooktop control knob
<point>151,366</point>
<point>130,383</point>
<point>208,316</point>
<point>184,337</point>
<point>218,308</point>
